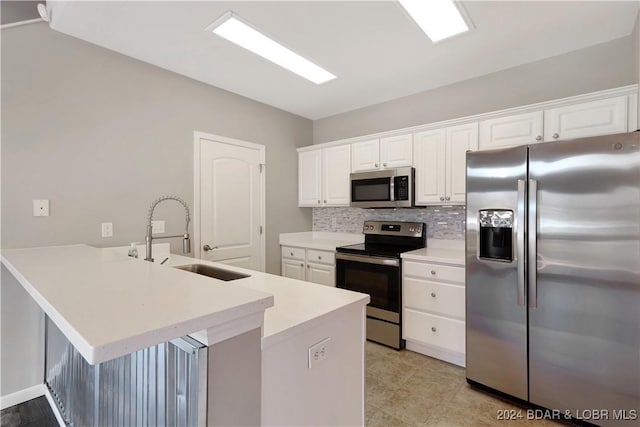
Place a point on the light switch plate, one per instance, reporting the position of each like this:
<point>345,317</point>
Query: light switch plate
<point>107,229</point>
<point>41,208</point>
<point>157,226</point>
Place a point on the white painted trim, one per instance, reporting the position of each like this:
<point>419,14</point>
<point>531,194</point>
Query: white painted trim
<point>629,90</point>
<point>632,109</point>
<point>21,23</point>
<point>22,396</point>
<point>197,143</point>
<point>54,408</point>
<point>437,353</point>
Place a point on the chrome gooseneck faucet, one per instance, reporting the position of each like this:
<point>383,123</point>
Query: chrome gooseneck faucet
<point>186,242</point>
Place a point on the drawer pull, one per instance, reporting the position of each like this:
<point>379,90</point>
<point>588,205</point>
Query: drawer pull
<point>433,272</point>
<point>433,329</point>
<point>433,294</point>
<point>291,254</point>
<point>319,257</point>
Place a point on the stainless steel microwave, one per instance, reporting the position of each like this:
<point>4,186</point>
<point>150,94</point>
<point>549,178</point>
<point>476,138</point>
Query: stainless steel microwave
<point>388,188</point>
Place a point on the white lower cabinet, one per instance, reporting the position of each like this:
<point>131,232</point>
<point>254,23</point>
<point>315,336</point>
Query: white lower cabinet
<point>308,264</point>
<point>433,309</point>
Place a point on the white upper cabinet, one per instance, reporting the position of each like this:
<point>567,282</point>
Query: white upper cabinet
<point>383,153</point>
<point>336,167</point>
<point>593,118</point>
<point>365,155</point>
<point>519,129</point>
<point>460,139</point>
<point>323,176</point>
<point>310,178</point>
<point>429,149</point>
<point>396,151</point>
<point>440,162</point>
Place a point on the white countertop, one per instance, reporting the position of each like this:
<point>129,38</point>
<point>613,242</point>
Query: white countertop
<point>321,240</point>
<point>297,304</point>
<point>438,250</point>
<point>109,306</point>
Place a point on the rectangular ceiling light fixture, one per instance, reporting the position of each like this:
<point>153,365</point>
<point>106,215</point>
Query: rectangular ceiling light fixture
<point>439,19</point>
<point>236,31</point>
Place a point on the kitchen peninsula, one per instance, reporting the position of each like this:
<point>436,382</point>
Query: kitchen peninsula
<point>109,306</point>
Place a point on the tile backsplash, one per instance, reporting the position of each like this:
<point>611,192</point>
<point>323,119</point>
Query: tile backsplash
<point>443,222</point>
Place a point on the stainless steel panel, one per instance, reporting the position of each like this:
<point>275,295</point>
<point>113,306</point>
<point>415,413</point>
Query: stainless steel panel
<point>384,333</point>
<point>369,259</point>
<point>387,315</point>
<point>496,353</point>
<point>163,385</point>
<point>584,336</point>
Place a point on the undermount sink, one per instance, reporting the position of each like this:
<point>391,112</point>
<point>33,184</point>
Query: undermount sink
<point>215,272</point>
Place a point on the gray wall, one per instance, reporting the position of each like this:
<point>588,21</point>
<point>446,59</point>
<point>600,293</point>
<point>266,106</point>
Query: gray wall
<point>599,67</point>
<point>101,135</point>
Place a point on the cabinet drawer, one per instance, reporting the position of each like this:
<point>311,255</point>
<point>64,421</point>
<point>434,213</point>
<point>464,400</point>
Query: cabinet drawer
<point>321,257</point>
<point>434,330</point>
<point>439,298</point>
<point>430,271</point>
<point>293,253</point>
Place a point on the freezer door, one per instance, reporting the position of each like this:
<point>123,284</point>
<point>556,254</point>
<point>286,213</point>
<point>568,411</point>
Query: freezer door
<point>496,314</point>
<point>584,337</point>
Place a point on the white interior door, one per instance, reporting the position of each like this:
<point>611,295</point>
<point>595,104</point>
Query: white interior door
<point>229,225</point>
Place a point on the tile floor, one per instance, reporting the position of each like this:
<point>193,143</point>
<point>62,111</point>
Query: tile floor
<point>405,388</point>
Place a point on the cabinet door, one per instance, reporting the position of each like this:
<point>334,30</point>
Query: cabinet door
<point>293,269</point>
<point>336,167</point>
<point>322,274</point>
<point>429,161</point>
<point>508,131</point>
<point>593,118</point>
<point>365,155</point>
<point>310,178</point>
<point>460,139</point>
<point>396,151</point>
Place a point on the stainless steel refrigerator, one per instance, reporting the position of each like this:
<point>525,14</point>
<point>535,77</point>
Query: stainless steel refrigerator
<point>553,275</point>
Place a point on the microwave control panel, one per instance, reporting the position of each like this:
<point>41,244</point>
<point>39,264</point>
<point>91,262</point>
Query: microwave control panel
<point>401,187</point>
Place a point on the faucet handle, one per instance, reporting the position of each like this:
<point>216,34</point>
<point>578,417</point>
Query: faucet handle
<point>208,248</point>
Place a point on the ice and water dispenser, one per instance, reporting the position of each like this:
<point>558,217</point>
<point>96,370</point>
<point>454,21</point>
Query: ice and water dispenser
<point>496,235</point>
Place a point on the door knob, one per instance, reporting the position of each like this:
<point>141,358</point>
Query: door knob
<point>208,248</point>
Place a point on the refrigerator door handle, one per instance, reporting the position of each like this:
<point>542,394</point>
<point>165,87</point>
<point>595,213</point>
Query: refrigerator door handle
<point>520,218</point>
<point>532,238</point>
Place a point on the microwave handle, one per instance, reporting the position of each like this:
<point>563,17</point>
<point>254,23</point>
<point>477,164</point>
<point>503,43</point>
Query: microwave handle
<point>392,189</point>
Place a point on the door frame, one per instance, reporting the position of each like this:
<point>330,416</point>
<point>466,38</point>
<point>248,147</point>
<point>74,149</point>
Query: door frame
<point>198,138</point>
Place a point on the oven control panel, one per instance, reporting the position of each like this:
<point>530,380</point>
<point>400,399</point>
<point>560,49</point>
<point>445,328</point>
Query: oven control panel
<point>394,228</point>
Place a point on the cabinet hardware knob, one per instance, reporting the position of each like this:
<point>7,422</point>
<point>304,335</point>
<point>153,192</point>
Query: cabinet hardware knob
<point>291,253</point>
<point>447,198</point>
<point>319,257</point>
<point>433,272</point>
<point>325,201</point>
<point>301,265</point>
<point>442,198</point>
<point>384,164</point>
<point>538,138</point>
<point>318,201</point>
<point>307,265</point>
<point>555,136</point>
<point>375,165</point>
<point>208,248</point>
<point>433,329</point>
<point>433,294</point>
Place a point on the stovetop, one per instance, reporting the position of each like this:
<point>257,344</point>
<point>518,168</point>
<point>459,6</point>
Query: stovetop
<point>389,238</point>
<point>377,249</point>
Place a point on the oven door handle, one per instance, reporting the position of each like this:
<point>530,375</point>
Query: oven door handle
<point>394,262</point>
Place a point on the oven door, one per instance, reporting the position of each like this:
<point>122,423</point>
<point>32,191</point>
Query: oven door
<point>377,276</point>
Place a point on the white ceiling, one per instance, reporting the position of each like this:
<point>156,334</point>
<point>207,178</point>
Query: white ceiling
<point>373,47</point>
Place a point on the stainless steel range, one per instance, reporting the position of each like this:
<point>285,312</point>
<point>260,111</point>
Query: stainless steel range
<point>374,268</point>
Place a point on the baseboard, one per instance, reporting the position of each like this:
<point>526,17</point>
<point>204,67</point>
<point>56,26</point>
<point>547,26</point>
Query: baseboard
<point>54,407</point>
<point>22,396</point>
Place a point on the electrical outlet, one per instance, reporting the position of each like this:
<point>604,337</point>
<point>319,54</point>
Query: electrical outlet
<point>41,208</point>
<point>107,229</point>
<point>319,352</point>
<point>157,226</point>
